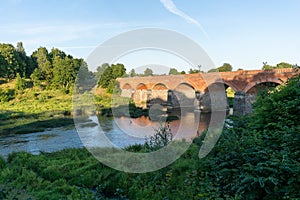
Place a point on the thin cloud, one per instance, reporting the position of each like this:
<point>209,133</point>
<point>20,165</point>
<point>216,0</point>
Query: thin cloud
<point>171,7</point>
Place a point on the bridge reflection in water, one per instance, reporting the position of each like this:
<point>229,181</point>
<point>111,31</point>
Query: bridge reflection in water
<point>188,126</point>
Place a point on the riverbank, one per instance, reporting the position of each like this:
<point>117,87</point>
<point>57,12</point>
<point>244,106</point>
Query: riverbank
<point>35,109</point>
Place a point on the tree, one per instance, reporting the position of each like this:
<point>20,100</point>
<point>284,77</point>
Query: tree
<point>65,72</point>
<point>278,66</point>
<point>36,77</point>
<point>100,70</point>
<point>267,67</point>
<point>148,72</point>
<point>20,84</point>
<point>132,73</point>
<point>213,70</point>
<point>85,79</point>
<point>226,67</point>
<point>108,78</point>
<point>260,153</point>
<point>43,62</point>
<point>118,70</point>
<point>22,59</point>
<point>10,66</point>
<point>194,71</point>
<point>173,71</point>
<point>182,72</point>
<point>284,65</point>
<point>57,53</point>
<point>3,66</point>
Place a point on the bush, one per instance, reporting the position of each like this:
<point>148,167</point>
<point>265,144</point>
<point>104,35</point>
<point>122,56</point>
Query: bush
<point>259,157</point>
<point>6,95</point>
<point>162,137</point>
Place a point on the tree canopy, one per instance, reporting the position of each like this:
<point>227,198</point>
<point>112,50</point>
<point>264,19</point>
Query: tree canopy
<point>55,70</point>
<point>148,72</point>
<point>107,79</point>
<point>194,71</point>
<point>281,65</point>
<point>226,67</point>
<point>173,71</point>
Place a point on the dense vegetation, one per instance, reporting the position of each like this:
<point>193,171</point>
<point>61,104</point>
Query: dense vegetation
<point>281,65</point>
<point>50,70</point>
<point>256,159</point>
<point>226,67</point>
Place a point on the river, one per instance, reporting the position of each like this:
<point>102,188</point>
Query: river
<point>121,132</point>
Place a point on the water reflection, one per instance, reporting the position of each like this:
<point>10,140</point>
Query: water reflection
<point>120,132</point>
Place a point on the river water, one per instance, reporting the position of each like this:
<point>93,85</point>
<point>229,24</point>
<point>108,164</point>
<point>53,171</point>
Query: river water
<point>121,132</point>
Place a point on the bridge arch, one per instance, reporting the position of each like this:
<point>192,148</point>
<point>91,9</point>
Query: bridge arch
<point>184,84</point>
<point>252,85</point>
<point>225,84</point>
<point>160,86</point>
<point>218,95</point>
<point>159,94</point>
<point>184,95</point>
<point>141,86</point>
<point>127,86</point>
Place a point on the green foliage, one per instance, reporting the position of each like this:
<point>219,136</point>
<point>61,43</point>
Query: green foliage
<point>162,137</point>
<point>278,66</point>
<point>36,77</point>
<point>20,84</point>
<point>108,78</point>
<point>194,71</point>
<point>42,59</point>
<point>259,157</point>
<point>65,72</point>
<point>148,72</point>
<point>173,71</point>
<point>9,60</point>
<point>100,70</point>
<point>132,73</point>
<point>6,95</point>
<point>226,67</point>
<point>279,104</point>
<point>212,70</point>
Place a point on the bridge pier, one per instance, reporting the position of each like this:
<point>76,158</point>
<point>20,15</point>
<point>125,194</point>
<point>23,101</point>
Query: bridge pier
<point>242,104</point>
<point>239,104</point>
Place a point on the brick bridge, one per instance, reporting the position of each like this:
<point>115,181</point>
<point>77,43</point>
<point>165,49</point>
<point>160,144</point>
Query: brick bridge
<point>203,90</point>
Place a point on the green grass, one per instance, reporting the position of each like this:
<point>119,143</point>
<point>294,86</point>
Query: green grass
<point>34,111</point>
<point>75,174</point>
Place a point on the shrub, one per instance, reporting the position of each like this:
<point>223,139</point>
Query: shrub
<point>6,95</point>
<point>259,157</point>
<point>162,137</point>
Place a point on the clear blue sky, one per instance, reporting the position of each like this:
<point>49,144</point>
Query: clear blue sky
<point>243,33</point>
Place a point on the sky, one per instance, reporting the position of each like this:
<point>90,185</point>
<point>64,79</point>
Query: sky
<point>242,33</point>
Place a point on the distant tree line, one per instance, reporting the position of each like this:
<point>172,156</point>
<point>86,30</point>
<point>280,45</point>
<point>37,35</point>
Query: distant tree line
<point>281,65</point>
<point>52,70</point>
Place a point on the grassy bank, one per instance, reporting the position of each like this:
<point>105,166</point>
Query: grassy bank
<point>75,174</point>
<point>35,109</point>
